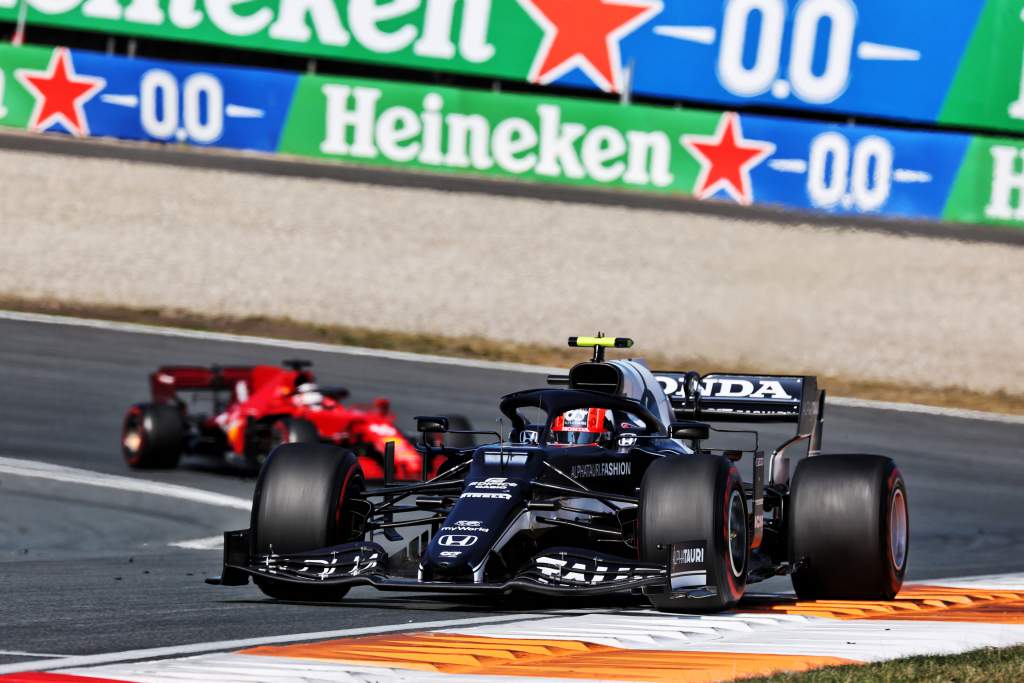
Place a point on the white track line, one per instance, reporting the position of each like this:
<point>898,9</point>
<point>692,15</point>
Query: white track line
<point>208,543</point>
<point>263,668</point>
<point>73,475</point>
<point>926,410</point>
<point>199,648</point>
<point>1008,582</point>
<point>135,328</point>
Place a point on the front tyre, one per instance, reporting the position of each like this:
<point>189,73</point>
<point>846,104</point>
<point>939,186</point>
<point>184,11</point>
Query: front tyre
<point>308,496</point>
<point>152,436</point>
<point>696,498</point>
<point>848,528</point>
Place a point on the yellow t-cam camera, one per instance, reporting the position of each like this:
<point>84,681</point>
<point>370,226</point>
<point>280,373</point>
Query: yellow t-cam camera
<point>607,342</point>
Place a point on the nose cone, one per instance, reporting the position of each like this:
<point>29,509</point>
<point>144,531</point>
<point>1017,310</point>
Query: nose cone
<point>454,555</point>
<point>460,547</point>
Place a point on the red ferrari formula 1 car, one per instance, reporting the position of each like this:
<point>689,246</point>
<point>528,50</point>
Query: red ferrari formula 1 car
<point>245,412</point>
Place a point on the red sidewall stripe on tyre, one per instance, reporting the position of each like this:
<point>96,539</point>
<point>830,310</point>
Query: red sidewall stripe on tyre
<point>734,588</point>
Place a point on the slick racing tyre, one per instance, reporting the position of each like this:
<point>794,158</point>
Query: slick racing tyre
<point>151,436</point>
<point>308,496</point>
<point>696,498</point>
<point>848,528</point>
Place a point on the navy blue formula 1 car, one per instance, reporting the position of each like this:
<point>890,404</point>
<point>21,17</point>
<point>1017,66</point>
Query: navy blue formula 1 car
<point>604,484</point>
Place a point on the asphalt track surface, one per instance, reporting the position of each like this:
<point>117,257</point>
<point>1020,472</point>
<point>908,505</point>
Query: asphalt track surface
<point>88,570</point>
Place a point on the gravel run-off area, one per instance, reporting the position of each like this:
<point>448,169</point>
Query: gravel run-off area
<point>838,301</point>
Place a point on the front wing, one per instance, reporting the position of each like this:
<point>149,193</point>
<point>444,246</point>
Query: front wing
<point>559,571</point>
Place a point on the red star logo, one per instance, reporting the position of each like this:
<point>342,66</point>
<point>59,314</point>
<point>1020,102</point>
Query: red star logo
<point>585,34</point>
<point>60,94</point>
<point>726,159</point>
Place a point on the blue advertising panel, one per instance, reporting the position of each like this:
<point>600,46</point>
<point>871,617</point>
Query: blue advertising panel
<point>187,103</point>
<point>876,58</point>
<point>856,169</point>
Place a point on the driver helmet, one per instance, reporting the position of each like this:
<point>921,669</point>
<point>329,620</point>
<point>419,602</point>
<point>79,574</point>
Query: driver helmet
<point>308,394</point>
<point>582,426</point>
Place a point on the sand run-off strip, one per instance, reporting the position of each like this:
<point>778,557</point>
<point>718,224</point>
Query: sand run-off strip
<point>841,302</point>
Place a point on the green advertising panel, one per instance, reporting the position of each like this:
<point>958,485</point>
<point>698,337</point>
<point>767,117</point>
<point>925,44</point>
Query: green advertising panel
<point>442,35</point>
<point>558,140</point>
<point>989,186</point>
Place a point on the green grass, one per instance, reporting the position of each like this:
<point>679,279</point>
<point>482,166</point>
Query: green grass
<point>990,665</point>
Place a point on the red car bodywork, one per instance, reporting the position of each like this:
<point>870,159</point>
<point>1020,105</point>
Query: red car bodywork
<point>264,393</point>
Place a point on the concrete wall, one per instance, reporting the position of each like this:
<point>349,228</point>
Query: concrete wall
<point>838,301</point>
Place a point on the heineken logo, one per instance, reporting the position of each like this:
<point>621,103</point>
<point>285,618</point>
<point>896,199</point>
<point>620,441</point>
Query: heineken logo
<point>542,141</point>
<point>429,28</point>
<point>1006,178</point>
<point>493,37</point>
<point>544,145</point>
<point>726,159</point>
<point>585,35</point>
<point>59,94</point>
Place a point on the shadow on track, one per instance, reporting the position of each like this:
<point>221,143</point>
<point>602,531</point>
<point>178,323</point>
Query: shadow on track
<point>513,603</point>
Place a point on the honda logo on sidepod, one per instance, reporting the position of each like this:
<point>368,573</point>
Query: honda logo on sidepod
<point>460,541</point>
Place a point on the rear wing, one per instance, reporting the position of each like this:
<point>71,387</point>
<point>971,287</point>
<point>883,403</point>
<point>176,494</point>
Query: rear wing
<point>748,398</point>
<point>169,379</point>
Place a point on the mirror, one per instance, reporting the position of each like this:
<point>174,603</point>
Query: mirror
<point>690,431</point>
<point>432,425</point>
<point>337,393</point>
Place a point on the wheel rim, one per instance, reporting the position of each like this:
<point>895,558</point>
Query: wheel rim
<point>737,534</point>
<point>132,436</point>
<point>132,441</point>
<point>898,529</point>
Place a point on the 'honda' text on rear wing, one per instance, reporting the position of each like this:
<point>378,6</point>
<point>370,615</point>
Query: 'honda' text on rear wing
<point>747,398</point>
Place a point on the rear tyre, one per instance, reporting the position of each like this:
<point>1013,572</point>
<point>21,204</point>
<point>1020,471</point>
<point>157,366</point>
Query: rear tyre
<point>441,463</point>
<point>848,528</point>
<point>296,430</point>
<point>281,431</point>
<point>307,497</point>
<point>152,435</point>
<point>696,498</point>
<point>461,423</point>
